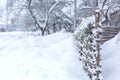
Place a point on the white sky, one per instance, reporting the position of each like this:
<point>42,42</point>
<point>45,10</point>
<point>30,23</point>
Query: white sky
<point>3,13</point>
<point>3,3</point>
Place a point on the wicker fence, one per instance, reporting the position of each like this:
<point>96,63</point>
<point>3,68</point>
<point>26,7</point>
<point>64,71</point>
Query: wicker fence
<point>109,33</point>
<point>89,49</point>
<point>89,46</point>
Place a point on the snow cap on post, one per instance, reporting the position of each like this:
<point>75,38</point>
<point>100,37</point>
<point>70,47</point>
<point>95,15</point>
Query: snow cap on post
<point>97,16</point>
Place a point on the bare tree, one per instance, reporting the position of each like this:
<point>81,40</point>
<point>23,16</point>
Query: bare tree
<point>109,8</point>
<point>42,25</point>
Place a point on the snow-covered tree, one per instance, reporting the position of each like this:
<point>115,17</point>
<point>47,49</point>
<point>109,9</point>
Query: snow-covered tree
<point>45,15</point>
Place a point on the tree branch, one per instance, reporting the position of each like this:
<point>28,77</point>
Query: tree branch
<point>33,16</point>
<point>49,12</point>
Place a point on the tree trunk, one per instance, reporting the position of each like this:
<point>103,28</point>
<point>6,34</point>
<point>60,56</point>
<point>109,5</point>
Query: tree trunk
<point>75,3</point>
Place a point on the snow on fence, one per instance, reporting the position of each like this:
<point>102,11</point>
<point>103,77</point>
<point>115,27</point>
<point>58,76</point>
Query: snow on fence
<point>89,39</point>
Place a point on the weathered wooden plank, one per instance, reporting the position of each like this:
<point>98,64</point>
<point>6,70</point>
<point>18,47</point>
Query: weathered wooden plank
<point>109,33</point>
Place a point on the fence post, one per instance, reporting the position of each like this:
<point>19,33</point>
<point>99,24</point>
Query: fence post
<point>97,32</point>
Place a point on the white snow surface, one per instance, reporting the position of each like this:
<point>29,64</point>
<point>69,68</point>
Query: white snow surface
<point>111,58</point>
<point>27,56</point>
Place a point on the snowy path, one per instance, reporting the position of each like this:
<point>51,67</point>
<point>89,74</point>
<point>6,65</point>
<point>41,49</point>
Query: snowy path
<point>26,56</point>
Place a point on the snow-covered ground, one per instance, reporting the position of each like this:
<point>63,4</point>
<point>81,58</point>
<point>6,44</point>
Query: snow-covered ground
<point>111,58</point>
<point>27,56</point>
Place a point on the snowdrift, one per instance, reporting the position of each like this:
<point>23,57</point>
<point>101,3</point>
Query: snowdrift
<point>27,56</point>
<point>111,57</point>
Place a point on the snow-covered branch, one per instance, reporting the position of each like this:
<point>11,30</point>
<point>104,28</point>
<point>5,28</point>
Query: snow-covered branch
<point>49,12</point>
